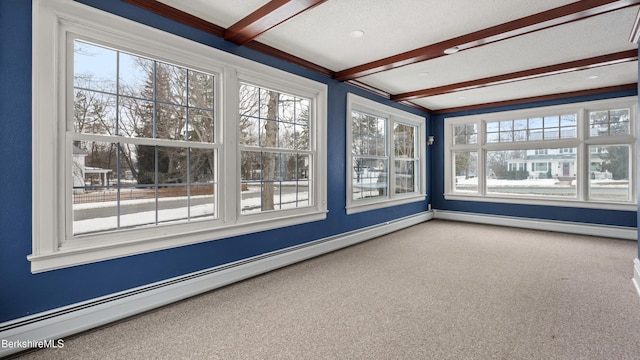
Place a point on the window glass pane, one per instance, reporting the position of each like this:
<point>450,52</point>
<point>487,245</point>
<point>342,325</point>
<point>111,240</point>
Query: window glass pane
<point>506,136</point>
<point>171,84</point>
<point>493,126</point>
<point>506,125</point>
<point>568,120</point>
<point>269,133</point>
<point>535,134</point>
<point>302,112</point>
<point>301,137</point>
<point>286,135</point>
<point>200,90</point>
<point>135,117</point>
<point>172,172</point>
<point>609,173</point>
<point>249,129</point>
<point>147,90</point>
<point>378,143</point>
<point>170,122</point>
<point>619,121</point>
<point>277,120</point>
<point>551,133</point>
<point>493,137</point>
<point>551,121</point>
<point>547,128</point>
<point>136,76</point>
<point>619,128</point>
<point>568,132</point>
<point>94,169</point>
<point>520,124</point>
<point>200,126</point>
<point>369,177</point>
<point>609,122</point>
<point>535,123</point>
<point>203,184</point>
<point>466,170</point>
<point>403,140</point>
<point>286,108</point>
<point>273,181</point>
<point>132,185</point>
<point>520,135</point>
<point>249,101</point>
<point>368,134</point>
<point>268,104</point>
<point>405,176</point>
<point>466,134</point>
<point>94,112</point>
<point>537,172</point>
<point>94,67</point>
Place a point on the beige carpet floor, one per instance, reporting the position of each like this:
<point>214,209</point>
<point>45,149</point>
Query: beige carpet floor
<point>438,290</point>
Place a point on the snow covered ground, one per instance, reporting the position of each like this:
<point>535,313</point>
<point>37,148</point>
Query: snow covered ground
<point>171,209</point>
<point>527,183</point>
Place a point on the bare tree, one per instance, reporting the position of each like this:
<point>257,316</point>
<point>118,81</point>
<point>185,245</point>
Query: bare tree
<point>269,158</point>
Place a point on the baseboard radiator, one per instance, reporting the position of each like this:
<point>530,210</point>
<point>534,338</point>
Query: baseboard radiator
<point>618,232</point>
<point>20,334</point>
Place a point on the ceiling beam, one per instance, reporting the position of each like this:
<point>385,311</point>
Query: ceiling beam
<point>565,95</point>
<point>561,15</point>
<point>279,54</point>
<point>178,15</point>
<point>635,31</point>
<point>182,17</point>
<point>571,66</point>
<point>266,17</point>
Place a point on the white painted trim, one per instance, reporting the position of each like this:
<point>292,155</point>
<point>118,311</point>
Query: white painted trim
<point>72,319</point>
<point>619,232</point>
<point>393,116</point>
<point>581,142</point>
<point>636,274</point>
<point>56,23</point>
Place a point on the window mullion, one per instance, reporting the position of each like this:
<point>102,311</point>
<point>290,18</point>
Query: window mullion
<point>228,189</point>
<point>481,169</point>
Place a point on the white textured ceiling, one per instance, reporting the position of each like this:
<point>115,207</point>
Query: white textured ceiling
<point>321,36</point>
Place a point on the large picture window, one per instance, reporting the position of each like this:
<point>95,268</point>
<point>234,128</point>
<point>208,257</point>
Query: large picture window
<point>153,141</point>
<point>387,160</point>
<point>143,141</point>
<point>579,155</point>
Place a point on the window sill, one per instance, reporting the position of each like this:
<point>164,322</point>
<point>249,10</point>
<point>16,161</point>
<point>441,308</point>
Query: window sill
<point>558,202</point>
<point>374,205</point>
<point>67,256</point>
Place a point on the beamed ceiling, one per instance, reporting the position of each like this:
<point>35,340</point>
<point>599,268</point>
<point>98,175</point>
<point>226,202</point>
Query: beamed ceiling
<point>506,51</point>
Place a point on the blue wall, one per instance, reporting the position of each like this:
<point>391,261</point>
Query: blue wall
<point>591,216</point>
<point>24,293</point>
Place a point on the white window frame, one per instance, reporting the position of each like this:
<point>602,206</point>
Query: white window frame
<point>393,115</point>
<point>56,23</point>
<point>581,143</point>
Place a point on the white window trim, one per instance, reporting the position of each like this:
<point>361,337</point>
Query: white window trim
<point>53,20</point>
<point>358,103</point>
<point>582,157</point>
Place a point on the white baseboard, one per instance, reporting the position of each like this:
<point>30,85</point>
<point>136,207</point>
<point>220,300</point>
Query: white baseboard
<point>636,274</point>
<point>618,232</point>
<point>68,320</point>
